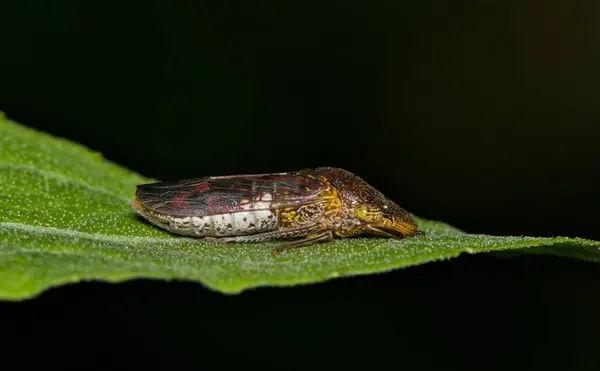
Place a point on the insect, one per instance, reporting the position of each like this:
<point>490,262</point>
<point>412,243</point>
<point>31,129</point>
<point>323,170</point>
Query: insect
<point>303,207</point>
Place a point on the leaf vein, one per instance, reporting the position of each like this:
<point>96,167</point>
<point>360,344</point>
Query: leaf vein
<point>60,177</point>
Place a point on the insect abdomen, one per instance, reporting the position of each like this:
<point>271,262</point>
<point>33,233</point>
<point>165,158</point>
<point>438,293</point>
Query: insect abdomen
<point>222,207</point>
<point>235,224</point>
<point>229,224</point>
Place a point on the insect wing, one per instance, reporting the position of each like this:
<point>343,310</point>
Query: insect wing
<point>229,194</point>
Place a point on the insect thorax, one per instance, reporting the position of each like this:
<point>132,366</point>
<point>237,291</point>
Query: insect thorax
<point>326,211</point>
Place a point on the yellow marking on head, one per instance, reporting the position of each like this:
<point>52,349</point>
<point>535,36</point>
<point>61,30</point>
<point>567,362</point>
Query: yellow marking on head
<point>368,213</point>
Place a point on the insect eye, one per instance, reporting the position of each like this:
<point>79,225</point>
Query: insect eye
<point>368,213</point>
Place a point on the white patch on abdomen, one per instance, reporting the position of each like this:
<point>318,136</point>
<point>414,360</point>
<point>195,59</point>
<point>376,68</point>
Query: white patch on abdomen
<point>202,225</point>
<point>237,223</point>
<point>222,224</point>
<point>180,225</point>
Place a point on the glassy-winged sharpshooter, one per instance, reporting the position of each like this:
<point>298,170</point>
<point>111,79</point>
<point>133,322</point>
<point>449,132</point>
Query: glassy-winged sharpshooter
<point>306,206</point>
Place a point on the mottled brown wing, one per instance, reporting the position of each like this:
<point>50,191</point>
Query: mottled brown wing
<point>227,194</point>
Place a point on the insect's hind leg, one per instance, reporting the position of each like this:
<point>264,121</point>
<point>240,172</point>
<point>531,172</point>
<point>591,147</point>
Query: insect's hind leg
<point>308,240</point>
<point>310,236</point>
<point>266,236</point>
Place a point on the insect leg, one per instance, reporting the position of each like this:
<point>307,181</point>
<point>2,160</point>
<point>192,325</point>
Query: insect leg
<point>259,237</point>
<point>309,240</point>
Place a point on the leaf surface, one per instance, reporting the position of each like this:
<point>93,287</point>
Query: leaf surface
<point>67,217</point>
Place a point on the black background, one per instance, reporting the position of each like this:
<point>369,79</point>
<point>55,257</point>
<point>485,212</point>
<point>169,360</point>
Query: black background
<point>483,114</point>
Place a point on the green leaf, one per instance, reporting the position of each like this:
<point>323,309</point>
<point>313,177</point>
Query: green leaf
<point>66,216</point>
